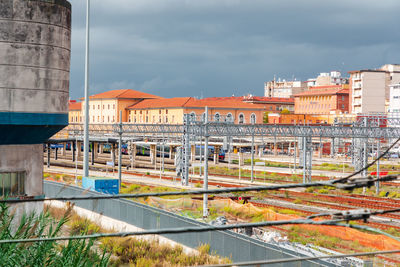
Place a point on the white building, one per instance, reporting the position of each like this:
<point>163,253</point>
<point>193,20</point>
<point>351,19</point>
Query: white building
<point>283,88</point>
<point>369,89</point>
<point>394,101</point>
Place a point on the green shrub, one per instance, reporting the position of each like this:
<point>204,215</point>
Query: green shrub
<point>323,191</point>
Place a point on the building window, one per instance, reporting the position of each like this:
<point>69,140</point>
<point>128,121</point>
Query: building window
<point>192,116</point>
<point>147,119</point>
<point>108,106</point>
<point>98,118</point>
<point>241,118</point>
<point>135,112</point>
<point>159,119</point>
<point>253,118</point>
<point>229,117</point>
<point>113,118</point>
<point>108,118</point>
<point>342,97</point>
<point>342,106</point>
<point>216,117</point>
<point>113,106</point>
<point>129,119</point>
<point>166,111</point>
<point>159,111</point>
<point>154,119</point>
<point>12,183</point>
<point>166,119</point>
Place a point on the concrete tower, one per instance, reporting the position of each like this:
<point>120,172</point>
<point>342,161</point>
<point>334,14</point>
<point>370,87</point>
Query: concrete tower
<point>35,42</point>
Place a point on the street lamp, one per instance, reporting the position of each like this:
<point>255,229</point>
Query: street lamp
<point>86,122</point>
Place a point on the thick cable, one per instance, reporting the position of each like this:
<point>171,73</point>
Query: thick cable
<point>194,229</point>
<point>368,165</point>
<point>250,263</point>
<point>178,193</point>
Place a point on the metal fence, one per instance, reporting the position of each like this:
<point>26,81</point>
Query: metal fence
<point>229,244</point>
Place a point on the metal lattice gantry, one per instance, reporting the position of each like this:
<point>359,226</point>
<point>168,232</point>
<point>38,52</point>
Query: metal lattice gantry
<point>228,129</point>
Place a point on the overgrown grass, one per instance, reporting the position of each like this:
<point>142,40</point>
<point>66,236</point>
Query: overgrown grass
<point>50,253</point>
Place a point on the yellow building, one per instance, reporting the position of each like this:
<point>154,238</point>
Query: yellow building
<point>74,114</point>
<point>105,107</point>
<point>171,110</point>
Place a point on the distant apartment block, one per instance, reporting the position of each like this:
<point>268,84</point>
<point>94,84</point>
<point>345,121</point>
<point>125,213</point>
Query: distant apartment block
<point>333,99</point>
<point>283,89</point>
<point>370,89</point>
<point>394,101</point>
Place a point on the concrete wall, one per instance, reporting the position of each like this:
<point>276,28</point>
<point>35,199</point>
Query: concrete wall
<point>373,92</point>
<point>28,158</point>
<point>35,56</point>
<point>35,43</point>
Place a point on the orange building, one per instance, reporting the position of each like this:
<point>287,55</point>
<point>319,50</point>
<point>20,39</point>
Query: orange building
<point>333,99</point>
<point>272,104</point>
<point>230,109</point>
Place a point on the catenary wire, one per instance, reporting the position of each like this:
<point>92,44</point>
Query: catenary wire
<point>193,229</point>
<point>250,263</point>
<point>181,193</point>
<point>209,191</point>
<point>368,165</point>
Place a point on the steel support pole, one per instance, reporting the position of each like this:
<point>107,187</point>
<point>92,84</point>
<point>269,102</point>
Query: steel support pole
<point>201,153</point>
<point>304,145</point>
<point>252,157</point>
<point>86,128</point>
<point>205,182</point>
<point>48,155</point>
<point>92,153</point>
<point>120,151</point>
<point>365,160</point>
<point>378,153</point>
<point>163,152</point>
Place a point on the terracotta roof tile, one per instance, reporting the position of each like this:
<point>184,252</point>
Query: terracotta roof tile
<point>124,94</point>
<point>324,92</point>
<point>161,103</point>
<point>74,105</point>
<point>190,102</point>
<point>269,99</point>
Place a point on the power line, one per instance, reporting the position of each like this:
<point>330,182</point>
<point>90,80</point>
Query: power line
<point>354,183</point>
<point>368,165</point>
<point>304,259</point>
<point>178,230</point>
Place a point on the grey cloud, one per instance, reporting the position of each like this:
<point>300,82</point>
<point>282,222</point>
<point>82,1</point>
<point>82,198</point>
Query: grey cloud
<point>182,47</point>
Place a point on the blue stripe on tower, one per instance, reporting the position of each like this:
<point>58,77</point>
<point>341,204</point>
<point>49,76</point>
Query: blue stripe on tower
<point>23,118</point>
<point>18,128</point>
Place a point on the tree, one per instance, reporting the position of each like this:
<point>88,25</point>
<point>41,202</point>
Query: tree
<point>265,117</point>
<point>285,111</point>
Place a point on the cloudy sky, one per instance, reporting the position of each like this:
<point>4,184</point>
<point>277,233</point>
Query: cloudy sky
<point>223,47</point>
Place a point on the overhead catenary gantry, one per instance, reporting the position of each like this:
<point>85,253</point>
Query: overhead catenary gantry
<point>227,129</point>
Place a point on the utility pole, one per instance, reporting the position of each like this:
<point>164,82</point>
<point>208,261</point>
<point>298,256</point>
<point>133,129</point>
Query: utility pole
<point>120,150</point>
<point>252,156</point>
<point>205,182</point>
<point>86,127</point>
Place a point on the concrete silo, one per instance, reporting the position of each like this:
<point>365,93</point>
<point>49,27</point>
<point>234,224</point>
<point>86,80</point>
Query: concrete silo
<point>35,42</point>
